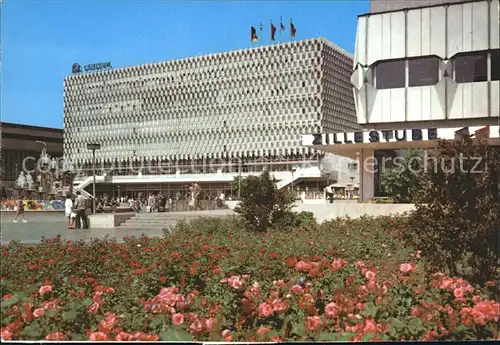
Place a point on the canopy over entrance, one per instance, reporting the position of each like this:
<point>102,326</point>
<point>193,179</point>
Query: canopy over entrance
<point>350,144</point>
<point>361,146</point>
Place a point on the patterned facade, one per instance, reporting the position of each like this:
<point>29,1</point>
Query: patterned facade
<point>247,103</point>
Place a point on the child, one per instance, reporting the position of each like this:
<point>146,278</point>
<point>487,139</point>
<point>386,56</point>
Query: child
<point>20,211</point>
<point>72,218</point>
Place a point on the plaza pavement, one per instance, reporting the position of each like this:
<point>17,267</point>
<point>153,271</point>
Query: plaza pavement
<point>49,224</point>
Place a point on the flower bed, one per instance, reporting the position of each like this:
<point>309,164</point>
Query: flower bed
<point>343,280</point>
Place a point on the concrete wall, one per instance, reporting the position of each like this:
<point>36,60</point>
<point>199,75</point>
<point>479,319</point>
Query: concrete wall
<point>342,209</point>
<point>443,32</point>
<point>108,220</point>
<point>394,5</point>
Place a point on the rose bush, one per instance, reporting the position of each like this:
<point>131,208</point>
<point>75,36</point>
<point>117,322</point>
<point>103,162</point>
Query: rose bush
<point>342,280</point>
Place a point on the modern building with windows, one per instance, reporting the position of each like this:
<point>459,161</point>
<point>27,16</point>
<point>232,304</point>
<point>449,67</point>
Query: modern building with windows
<point>160,125</point>
<point>19,142</point>
<point>422,70</point>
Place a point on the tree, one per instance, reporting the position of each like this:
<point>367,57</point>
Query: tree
<point>402,181</point>
<point>456,222</point>
<point>262,205</point>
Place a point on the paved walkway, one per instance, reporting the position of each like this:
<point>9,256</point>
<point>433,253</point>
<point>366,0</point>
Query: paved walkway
<point>49,225</point>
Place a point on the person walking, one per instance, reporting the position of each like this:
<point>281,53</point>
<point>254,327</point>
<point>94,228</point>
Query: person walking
<point>68,209</point>
<point>196,196</point>
<point>20,211</point>
<point>80,207</point>
<point>151,203</point>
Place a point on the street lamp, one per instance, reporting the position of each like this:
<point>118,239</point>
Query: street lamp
<point>293,171</point>
<point>93,147</point>
<point>44,145</point>
<point>239,179</point>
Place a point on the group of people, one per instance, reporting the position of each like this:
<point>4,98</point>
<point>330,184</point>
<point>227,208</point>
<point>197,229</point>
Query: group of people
<point>77,211</point>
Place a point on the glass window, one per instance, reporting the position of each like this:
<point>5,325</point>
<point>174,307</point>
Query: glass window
<point>470,68</point>
<point>390,74</point>
<point>423,71</point>
<point>495,64</point>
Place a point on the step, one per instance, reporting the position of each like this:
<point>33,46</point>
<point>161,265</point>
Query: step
<point>195,214</point>
<point>140,227</point>
<point>145,220</point>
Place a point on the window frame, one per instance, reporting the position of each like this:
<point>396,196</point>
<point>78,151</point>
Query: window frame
<point>389,84</point>
<point>475,77</point>
<point>494,55</point>
<point>420,83</point>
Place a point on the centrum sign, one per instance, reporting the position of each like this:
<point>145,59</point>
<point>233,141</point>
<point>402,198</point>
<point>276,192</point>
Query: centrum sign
<point>77,68</point>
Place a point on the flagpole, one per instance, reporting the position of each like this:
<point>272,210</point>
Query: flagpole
<point>270,37</point>
<point>290,29</point>
<point>261,38</point>
<point>281,27</point>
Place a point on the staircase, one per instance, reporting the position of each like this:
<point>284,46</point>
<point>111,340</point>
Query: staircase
<point>157,221</point>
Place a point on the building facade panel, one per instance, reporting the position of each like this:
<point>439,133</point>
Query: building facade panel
<point>396,5</point>
<point>246,103</point>
<point>494,27</point>
<point>467,27</point>
<point>449,70</point>
<point>426,32</point>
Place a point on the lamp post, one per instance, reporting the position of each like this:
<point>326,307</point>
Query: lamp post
<point>93,147</point>
<point>239,179</point>
<point>44,145</point>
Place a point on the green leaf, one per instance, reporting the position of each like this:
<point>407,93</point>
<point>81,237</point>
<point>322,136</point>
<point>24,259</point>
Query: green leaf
<point>368,336</point>
<point>78,337</point>
<point>9,303</point>
<point>87,302</point>
<point>155,322</point>
<point>347,336</point>
<point>175,334</point>
<point>33,331</point>
<point>370,310</point>
<point>327,336</point>
<point>69,315</point>
<point>51,313</point>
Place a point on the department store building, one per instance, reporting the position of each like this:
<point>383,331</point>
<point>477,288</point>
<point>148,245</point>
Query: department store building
<point>423,71</point>
<point>234,113</point>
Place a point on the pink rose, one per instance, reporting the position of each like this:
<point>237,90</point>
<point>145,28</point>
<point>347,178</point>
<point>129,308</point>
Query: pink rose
<point>93,308</point>
<point>297,289</point>
<point>370,275</point>
<point>370,326</point>
<point>262,330</point>
<point>313,322</point>
<point>178,319</point>
<point>196,326</point>
<point>458,293</point>
<point>279,306</point>
<point>279,284</point>
<point>211,324</point>
<point>98,336</point>
<point>406,268</point>
<point>331,310</point>
<point>303,266</point>
<point>44,289</point>
<point>265,310</point>
<point>226,334</point>
<point>235,282</point>
<point>39,312</point>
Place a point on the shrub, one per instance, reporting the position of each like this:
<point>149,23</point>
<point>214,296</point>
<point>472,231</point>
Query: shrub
<point>402,180</point>
<point>262,205</point>
<point>456,220</point>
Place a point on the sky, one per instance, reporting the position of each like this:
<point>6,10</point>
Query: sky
<point>40,40</point>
